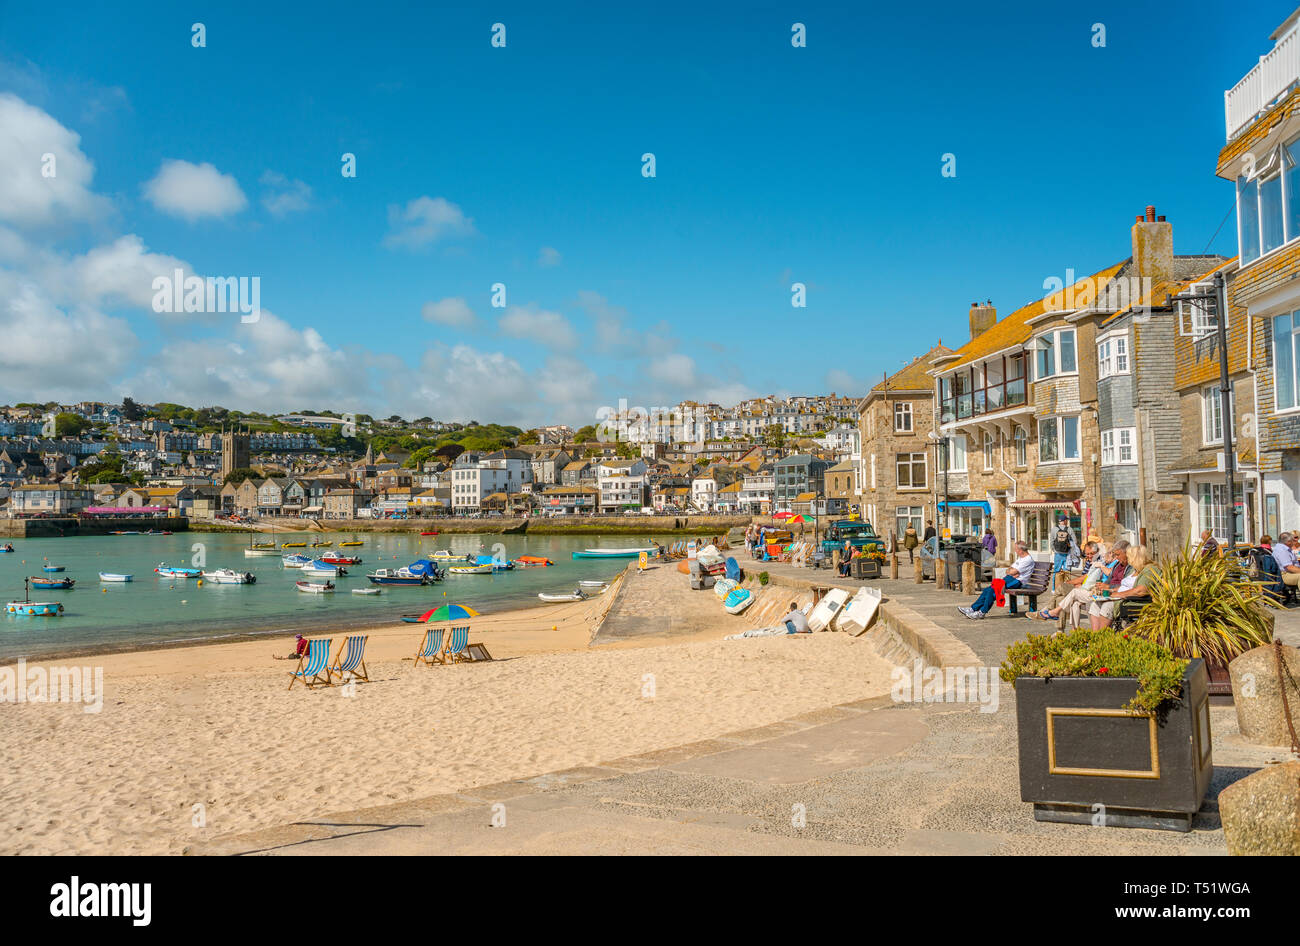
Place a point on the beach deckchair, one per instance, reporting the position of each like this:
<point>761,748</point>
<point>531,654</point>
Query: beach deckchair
<point>351,660</point>
<point>430,648</point>
<point>313,666</point>
<point>456,645</point>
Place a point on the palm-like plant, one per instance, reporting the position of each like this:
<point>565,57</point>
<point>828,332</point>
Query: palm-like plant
<point>1205,606</point>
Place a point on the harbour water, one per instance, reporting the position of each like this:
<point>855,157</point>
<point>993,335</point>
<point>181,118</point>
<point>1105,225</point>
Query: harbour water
<point>152,611</point>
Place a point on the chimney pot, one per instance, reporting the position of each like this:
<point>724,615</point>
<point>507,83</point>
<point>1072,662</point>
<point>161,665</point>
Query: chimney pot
<point>1139,219</point>
<point>1160,219</point>
<point>1151,213</point>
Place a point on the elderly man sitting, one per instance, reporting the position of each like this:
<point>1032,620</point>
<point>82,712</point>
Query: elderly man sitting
<point>1284,553</point>
<point>1020,570</point>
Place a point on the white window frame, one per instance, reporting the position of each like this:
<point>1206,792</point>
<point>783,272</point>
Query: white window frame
<point>1059,421</point>
<point>1295,369</point>
<point>1021,441</point>
<point>948,456</point>
<point>1193,319</point>
<point>1211,405</point>
<point>911,464</point>
<point>987,448</point>
<point>1112,355</point>
<point>1115,442</point>
<point>903,409</point>
<point>1055,336</point>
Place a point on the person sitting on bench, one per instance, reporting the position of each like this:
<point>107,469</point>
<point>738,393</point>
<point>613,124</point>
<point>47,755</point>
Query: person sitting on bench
<point>1080,597</point>
<point>1017,574</point>
<point>1284,553</point>
<point>1136,584</point>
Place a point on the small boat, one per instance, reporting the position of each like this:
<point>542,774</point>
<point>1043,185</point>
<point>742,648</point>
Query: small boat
<point>171,571</point>
<point>53,583</point>
<point>29,607</point>
<point>821,617</point>
<point>321,545</point>
<point>412,618</point>
<point>470,569</point>
<point>615,553</point>
<point>594,587</point>
<point>228,576</point>
<point>344,545</point>
<point>111,576</point>
<point>576,594</point>
<point>293,545</point>
<point>254,551</point>
<point>334,558</point>
<point>366,591</point>
<point>444,555</point>
<point>856,616</point>
<point>52,568</point>
<point>497,565</point>
<point>428,533</point>
<point>7,547</point>
<point>396,576</point>
<point>737,600</point>
<point>296,561</point>
<point>528,561</point>
<point>264,546</point>
<point>314,587</point>
<point>320,569</point>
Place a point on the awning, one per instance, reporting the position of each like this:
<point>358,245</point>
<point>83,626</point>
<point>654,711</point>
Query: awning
<point>314,509</point>
<point>1028,504</point>
<point>970,503</point>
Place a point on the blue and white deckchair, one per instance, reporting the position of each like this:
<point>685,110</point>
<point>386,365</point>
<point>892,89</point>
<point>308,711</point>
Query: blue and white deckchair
<point>431,648</point>
<point>456,645</point>
<point>316,660</point>
<point>350,662</point>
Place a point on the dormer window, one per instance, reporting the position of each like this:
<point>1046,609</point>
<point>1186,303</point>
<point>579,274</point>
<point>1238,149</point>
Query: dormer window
<point>1054,354</point>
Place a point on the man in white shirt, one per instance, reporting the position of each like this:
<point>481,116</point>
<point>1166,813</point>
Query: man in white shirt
<point>1017,574</point>
<point>1284,555</point>
<point>795,622</point>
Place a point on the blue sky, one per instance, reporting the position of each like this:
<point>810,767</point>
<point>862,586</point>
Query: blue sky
<point>774,165</point>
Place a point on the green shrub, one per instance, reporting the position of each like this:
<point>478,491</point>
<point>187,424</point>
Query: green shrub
<point>763,578</point>
<point>1104,653</point>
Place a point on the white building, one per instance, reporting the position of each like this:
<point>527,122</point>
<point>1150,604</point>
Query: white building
<point>622,483</point>
<point>704,493</point>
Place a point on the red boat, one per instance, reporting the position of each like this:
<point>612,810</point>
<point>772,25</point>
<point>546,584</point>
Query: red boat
<point>428,533</point>
<point>336,559</point>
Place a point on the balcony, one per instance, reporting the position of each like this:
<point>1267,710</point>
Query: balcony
<point>1274,75</point>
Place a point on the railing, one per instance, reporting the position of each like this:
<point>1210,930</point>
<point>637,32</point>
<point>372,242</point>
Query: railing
<point>1275,74</point>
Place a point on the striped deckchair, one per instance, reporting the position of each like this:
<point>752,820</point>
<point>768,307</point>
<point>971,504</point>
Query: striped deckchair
<point>431,648</point>
<point>313,666</point>
<point>351,658</point>
<point>456,645</point>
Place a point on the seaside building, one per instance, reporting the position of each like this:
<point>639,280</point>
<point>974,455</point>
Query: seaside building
<point>235,452</point>
<point>795,476</point>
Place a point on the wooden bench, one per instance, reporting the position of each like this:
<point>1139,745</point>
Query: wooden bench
<point>1031,589</point>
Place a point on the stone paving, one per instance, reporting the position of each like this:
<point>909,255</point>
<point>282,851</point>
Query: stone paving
<point>874,777</point>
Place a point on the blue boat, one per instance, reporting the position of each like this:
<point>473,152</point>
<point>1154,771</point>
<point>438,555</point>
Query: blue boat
<point>616,553</point>
<point>496,565</point>
<point>52,568</point>
<point>63,583</point>
<point>426,568</point>
<point>172,571</point>
<point>396,576</point>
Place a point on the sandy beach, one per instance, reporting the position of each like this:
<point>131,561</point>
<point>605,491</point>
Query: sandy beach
<point>216,727</point>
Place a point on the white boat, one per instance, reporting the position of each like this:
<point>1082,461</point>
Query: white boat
<point>575,595</point>
<point>616,553</point>
<point>228,576</point>
<point>826,609</point>
<point>110,576</point>
<point>366,591</point>
<point>254,553</point>
<point>737,600</point>
<point>323,571</point>
<point>594,587</point>
<point>858,614</point>
<point>315,587</point>
<point>295,561</point>
<point>724,586</point>
<point>470,569</point>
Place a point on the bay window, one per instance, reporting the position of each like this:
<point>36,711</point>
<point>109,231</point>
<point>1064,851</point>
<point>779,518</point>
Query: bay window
<point>983,388</point>
<point>1285,328</point>
<point>1112,356</point>
<point>1054,354</point>
<point>1117,446</point>
<point>1268,202</point>
<point>1058,439</point>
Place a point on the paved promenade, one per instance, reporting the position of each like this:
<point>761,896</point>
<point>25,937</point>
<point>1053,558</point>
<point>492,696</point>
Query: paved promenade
<point>873,777</point>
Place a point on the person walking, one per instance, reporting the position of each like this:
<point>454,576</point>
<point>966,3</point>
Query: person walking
<point>910,541</point>
<point>1064,545</point>
<point>930,532</point>
<point>990,542</point>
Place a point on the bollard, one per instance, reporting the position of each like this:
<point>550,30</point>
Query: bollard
<point>968,578</point>
<point>835,561</point>
<point>917,575</point>
<point>893,565</point>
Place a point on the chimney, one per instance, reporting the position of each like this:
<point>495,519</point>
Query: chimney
<point>983,316</point>
<point>1153,247</point>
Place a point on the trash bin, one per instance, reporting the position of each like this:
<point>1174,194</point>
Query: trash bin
<point>959,554</point>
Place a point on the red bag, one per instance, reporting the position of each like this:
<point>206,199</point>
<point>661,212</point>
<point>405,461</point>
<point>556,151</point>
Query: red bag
<point>999,592</point>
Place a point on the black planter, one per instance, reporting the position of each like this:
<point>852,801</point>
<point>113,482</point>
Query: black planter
<point>1079,748</point>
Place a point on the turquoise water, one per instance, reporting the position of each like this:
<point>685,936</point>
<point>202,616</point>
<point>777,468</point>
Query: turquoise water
<point>155,611</point>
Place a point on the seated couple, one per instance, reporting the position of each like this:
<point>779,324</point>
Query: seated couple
<point>1127,574</point>
<point>1017,575</point>
<point>795,622</point>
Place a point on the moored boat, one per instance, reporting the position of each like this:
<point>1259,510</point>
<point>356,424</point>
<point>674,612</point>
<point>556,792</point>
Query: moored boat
<point>470,569</point>
<point>314,587</point>
<point>172,571</point>
<point>615,553</point>
<point>29,607</point>
<point>255,552</point>
<point>52,583</point>
<point>532,561</point>
<point>396,576</point>
<point>228,576</point>
<point>52,568</point>
<point>577,594</point>
<point>323,569</point>
<point>365,591</point>
<point>296,561</point>
<point>113,576</point>
<point>293,545</point>
<point>344,545</point>
<point>335,558</point>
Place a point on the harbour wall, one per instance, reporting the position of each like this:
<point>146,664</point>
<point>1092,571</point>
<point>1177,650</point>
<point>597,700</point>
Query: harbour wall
<point>52,527</point>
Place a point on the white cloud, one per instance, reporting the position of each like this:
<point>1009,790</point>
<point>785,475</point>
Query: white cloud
<point>615,337</point>
<point>121,271</point>
<point>676,370</point>
<point>27,196</point>
<point>425,220</point>
<point>282,195</point>
<point>192,191</point>
<point>549,329</point>
<point>549,256</point>
<point>453,312</point>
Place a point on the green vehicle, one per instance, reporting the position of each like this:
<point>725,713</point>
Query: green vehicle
<point>857,531</point>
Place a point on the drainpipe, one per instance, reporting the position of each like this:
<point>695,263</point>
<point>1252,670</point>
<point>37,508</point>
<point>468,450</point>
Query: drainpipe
<point>1003,470</point>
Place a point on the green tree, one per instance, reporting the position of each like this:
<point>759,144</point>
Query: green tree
<point>131,410</point>
<point>243,473</point>
<point>529,436</point>
<point>585,434</point>
<point>774,436</point>
<point>69,425</point>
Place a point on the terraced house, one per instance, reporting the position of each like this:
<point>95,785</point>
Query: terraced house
<point>1262,157</point>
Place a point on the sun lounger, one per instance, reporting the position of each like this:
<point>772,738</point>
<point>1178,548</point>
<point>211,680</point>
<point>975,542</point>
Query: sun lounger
<point>313,666</point>
<point>456,645</point>
<point>350,661</point>
<point>430,648</point>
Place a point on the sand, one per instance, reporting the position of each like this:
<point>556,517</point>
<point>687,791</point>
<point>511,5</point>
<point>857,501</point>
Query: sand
<point>216,727</point>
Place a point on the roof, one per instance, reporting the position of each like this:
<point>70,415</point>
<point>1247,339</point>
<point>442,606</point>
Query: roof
<point>1190,269</point>
<point>1015,329</point>
<point>805,497</point>
<point>916,375</point>
<point>577,465</point>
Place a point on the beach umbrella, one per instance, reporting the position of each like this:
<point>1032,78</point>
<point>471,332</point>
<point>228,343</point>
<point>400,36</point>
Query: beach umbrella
<point>798,518</point>
<point>782,515</point>
<point>448,612</point>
